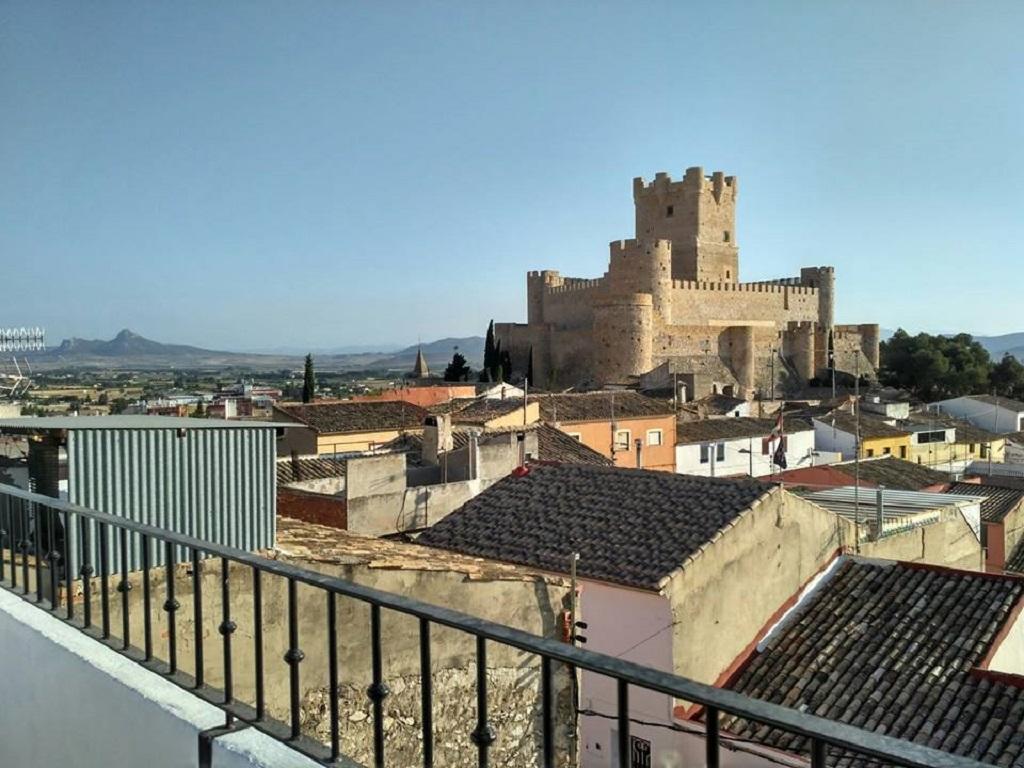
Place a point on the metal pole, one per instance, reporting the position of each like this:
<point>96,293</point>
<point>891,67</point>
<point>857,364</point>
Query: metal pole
<point>856,459</point>
<point>750,450</point>
<point>573,559</point>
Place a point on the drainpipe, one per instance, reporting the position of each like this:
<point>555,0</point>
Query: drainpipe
<point>639,453</point>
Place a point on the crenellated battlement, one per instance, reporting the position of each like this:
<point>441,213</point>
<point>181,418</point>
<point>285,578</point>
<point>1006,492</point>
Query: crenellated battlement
<point>624,247</point>
<point>790,286</point>
<point>573,285</point>
<point>693,180</point>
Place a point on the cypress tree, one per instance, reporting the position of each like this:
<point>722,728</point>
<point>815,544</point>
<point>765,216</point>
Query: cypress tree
<point>308,381</point>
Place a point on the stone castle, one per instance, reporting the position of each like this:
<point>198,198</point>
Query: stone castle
<point>672,305</point>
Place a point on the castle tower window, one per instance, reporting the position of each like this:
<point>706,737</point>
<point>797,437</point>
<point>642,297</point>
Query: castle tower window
<point>728,274</point>
<point>669,211</point>
<point>726,236</point>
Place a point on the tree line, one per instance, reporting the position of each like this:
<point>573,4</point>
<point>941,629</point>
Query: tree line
<point>940,367</point>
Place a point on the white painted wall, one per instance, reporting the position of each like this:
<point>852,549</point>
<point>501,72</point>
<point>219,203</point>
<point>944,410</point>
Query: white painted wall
<point>828,438</point>
<point>78,703</point>
<point>737,460</point>
<point>1000,420</point>
<point>636,626</point>
<point>1009,656</point>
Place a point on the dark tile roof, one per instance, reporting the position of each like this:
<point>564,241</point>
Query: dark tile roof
<point>999,501</point>
<point>894,473</point>
<point>721,404</point>
<point>630,526</point>
<point>1015,561</point>
<point>481,411</point>
<point>1003,402</point>
<point>890,647</point>
<point>871,427</point>
<point>385,416</point>
<point>599,406</point>
<point>293,471</point>
<point>731,428</point>
<point>554,445</point>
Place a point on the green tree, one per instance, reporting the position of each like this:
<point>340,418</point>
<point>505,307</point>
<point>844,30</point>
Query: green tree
<point>935,367</point>
<point>308,381</point>
<point>491,351</point>
<point>1008,377</point>
<point>529,367</point>
<point>200,412</point>
<point>457,369</point>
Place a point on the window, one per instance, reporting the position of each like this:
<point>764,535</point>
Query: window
<point>887,451</point>
<point>575,436</point>
<point>903,451</point>
<point>973,448</point>
<point>725,236</point>
<point>654,437</point>
<point>669,211</point>
<point>720,452</point>
<point>984,451</point>
<point>871,452</point>
<point>622,440</point>
<point>728,274</point>
<point>931,437</point>
<point>705,453</point>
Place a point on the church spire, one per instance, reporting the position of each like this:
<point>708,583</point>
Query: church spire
<point>420,369</point>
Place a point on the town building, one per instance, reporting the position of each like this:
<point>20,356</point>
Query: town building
<point>673,296</point>
<point>1002,516</point>
<point>931,655</point>
<point>674,569</point>
<point>1001,415</point>
<point>345,427</point>
<point>884,470</point>
<point>743,446</point>
<point>837,432</point>
<point>630,429</point>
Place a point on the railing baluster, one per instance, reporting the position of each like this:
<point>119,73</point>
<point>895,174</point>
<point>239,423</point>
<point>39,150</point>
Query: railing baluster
<point>257,619</point>
<point>197,615</point>
<point>484,735</point>
<point>623,715</point>
<point>426,694</point>
<point>227,628</point>
<point>37,535</point>
<point>86,573</point>
<point>52,555</point>
<point>24,546</point>
<point>68,576</point>
<point>14,541</point>
<point>332,670</point>
<point>548,723</point>
<point>294,655</point>
<point>104,533</point>
<point>147,610</point>
<point>378,689</point>
<point>5,530</point>
<point>819,758</point>
<point>711,737</point>
<point>171,606</point>
<point>124,588</point>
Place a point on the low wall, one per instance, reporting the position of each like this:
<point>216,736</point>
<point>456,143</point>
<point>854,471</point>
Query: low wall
<point>80,703</point>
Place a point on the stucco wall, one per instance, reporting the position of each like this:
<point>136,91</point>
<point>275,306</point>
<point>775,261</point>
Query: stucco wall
<point>598,436</point>
<point>727,594</point>
<point>950,542</point>
<point>743,453</point>
<point>79,703</point>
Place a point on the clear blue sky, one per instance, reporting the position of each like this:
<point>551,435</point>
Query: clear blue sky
<point>253,174</point>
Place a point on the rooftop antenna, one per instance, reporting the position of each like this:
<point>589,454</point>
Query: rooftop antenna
<point>16,340</point>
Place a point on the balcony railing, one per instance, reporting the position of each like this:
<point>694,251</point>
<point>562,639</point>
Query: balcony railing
<point>36,528</point>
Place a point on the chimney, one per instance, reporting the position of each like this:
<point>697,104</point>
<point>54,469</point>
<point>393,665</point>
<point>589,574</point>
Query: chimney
<point>437,437</point>
<point>876,526</point>
<point>474,454</point>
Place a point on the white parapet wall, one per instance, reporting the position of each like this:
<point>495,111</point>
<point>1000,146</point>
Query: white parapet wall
<point>74,701</point>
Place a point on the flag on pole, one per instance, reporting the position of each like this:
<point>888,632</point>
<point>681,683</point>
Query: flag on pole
<point>778,438</point>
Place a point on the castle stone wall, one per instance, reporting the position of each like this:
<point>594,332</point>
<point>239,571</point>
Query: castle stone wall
<point>701,302</point>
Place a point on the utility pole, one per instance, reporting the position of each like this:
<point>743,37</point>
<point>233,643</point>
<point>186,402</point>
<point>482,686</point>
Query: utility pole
<point>856,455</point>
<point>772,373</point>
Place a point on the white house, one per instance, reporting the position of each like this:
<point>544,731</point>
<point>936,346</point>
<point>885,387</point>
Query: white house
<point>741,446</point>
<point>1000,415</point>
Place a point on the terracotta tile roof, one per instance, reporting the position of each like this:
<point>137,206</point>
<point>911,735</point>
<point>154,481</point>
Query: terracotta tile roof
<point>894,473</point>
<point>721,404</point>
<point>293,471</point>
<point>999,501</point>
<point>343,417</point>
<point>890,647</point>
<point>1015,561</point>
<point>599,406</point>
<point>479,412</point>
<point>630,526</point>
<point>731,429</point>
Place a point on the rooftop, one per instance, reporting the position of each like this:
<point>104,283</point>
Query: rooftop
<point>298,470</point>
<point>965,431</point>
<point>871,427</point>
<point>893,647</point>
<point>1003,402</point>
<point>52,423</point>
<point>479,411</point>
<point>630,526</point>
<point>556,446</point>
<point>599,406</point>
<point>999,502</point>
<point>377,416</point>
<point>730,429</point>
<point>894,473</point>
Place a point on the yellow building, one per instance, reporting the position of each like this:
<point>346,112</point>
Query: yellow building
<point>939,441</point>
<point>345,427</point>
<point>837,431</point>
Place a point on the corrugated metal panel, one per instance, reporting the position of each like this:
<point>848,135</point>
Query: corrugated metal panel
<point>215,484</point>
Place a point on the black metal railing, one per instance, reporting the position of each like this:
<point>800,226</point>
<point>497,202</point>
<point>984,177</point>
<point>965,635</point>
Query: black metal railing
<point>26,519</point>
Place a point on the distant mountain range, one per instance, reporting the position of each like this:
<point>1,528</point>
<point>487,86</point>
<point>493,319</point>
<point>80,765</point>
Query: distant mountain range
<point>130,350</point>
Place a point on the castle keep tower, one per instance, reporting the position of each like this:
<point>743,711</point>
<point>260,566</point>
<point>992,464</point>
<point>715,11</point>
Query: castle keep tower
<point>698,215</point>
